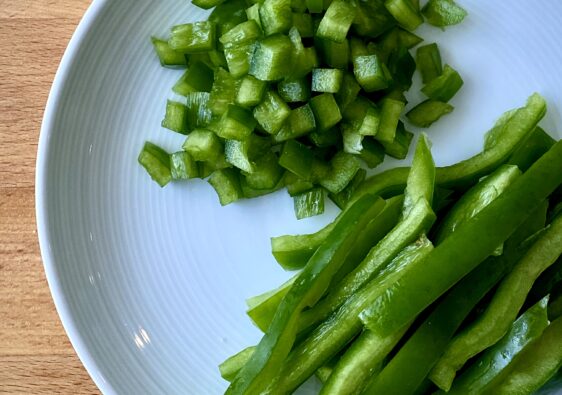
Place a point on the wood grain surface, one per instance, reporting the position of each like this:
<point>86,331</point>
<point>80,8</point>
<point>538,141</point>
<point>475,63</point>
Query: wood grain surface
<point>35,354</point>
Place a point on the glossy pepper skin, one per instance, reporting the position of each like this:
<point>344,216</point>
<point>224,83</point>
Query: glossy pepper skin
<point>502,310</point>
<point>424,348</point>
<point>490,367</point>
<point>460,253</point>
<point>536,364</point>
<point>313,281</point>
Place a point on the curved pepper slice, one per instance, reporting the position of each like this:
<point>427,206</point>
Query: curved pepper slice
<point>417,218</point>
<point>460,253</point>
<point>332,335</point>
<point>308,288</point>
<point>367,352</point>
<point>420,353</point>
<point>507,301</point>
<point>488,369</point>
<point>536,364</point>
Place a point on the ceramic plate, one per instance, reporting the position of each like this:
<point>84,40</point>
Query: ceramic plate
<point>150,283</point>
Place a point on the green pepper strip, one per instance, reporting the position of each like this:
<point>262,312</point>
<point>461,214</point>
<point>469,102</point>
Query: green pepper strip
<point>367,352</point>
<point>474,200</point>
<point>463,174</point>
<point>418,217</point>
<point>263,307</point>
<point>507,301</point>
<point>312,283</point>
<point>492,365</point>
<point>531,149</point>
<point>424,348</point>
<point>536,364</point>
<point>230,368</point>
<point>332,335</point>
<point>460,253</point>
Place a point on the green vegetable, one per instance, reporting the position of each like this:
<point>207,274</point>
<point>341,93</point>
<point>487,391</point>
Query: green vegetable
<point>262,308</point>
<point>443,13</point>
<point>419,354</point>
<point>223,91</point>
<point>428,60</point>
<point>428,112</point>
<point>230,368</point>
<point>342,198</point>
<point>207,4</point>
<point>226,183</point>
<point>300,122</point>
<point>276,16</point>
<point>336,21</point>
<point>266,172</point>
<point>372,154</point>
<point>489,368</point>
<point>198,78</point>
<point>370,72</point>
<point>297,158</point>
<point>251,92</point>
<point>531,149</point>
<point>478,197</point>
<point>508,299</point>
<point>326,80</point>
<point>401,145</point>
<point>193,37</point>
<point>176,118</point>
<point>236,123</point>
<point>326,111</point>
<point>156,162</point>
<point>468,246</point>
<point>313,281</point>
<point>271,56</point>
<point>167,56</point>
<point>309,203</point>
<point>204,145</point>
<point>358,363</point>
<point>390,115</point>
<point>294,90</point>
<point>536,365</point>
<point>343,169</point>
<point>444,87</point>
<point>272,112</point>
<point>183,166</point>
<point>405,13</point>
<point>227,15</point>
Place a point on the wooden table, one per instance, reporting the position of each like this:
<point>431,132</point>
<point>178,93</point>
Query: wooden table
<point>35,354</point>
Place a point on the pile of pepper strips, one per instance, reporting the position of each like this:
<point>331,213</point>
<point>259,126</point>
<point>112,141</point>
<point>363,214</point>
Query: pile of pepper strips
<point>432,280</point>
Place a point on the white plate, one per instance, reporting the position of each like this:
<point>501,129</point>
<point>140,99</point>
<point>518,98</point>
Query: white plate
<point>149,283</point>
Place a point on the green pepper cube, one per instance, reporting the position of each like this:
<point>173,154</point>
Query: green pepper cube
<point>226,183</point>
<point>251,92</point>
<point>428,60</point>
<point>298,6</point>
<point>276,16</point>
<point>370,123</point>
<point>370,72</point>
<point>238,59</point>
<point>405,13</point>
<point>193,37</point>
<point>326,111</point>
<point>272,112</point>
<point>372,152</point>
<point>300,122</point>
<point>352,139</point>
<point>223,91</point>
<point>315,6</point>
<point>444,87</point>
<point>198,78</point>
<point>236,123</point>
<point>204,145</point>
<point>294,90</point>
<point>271,58</point>
<point>326,80</point>
<point>348,92</point>
<point>183,166</point>
<point>296,185</point>
<point>198,112</point>
<point>167,56</point>
<point>297,158</point>
<point>336,55</point>
<point>207,4</point>
<point>236,153</point>
<point>267,172</point>
<point>342,199</point>
<point>176,118</point>
<point>325,138</point>
<point>303,23</point>
<point>443,13</point>
<point>428,112</point>
<point>390,115</point>
<point>243,33</point>
<point>156,162</point>
<point>401,145</point>
<point>309,204</point>
<point>253,13</point>
<point>344,168</point>
<point>336,21</point>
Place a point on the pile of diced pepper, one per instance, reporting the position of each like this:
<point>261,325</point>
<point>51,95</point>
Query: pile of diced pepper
<point>432,280</point>
<point>302,94</point>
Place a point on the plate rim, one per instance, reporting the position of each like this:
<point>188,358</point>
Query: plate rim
<point>42,218</point>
